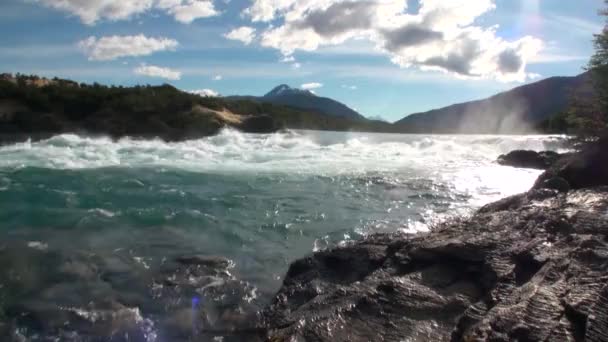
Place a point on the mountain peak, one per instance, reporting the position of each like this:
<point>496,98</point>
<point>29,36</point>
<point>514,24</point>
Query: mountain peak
<point>284,89</point>
<point>303,99</point>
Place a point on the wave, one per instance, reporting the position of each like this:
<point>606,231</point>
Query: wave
<point>290,151</point>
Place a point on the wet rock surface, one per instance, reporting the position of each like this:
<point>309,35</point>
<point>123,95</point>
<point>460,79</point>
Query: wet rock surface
<point>529,159</point>
<point>533,267</point>
<point>70,295</point>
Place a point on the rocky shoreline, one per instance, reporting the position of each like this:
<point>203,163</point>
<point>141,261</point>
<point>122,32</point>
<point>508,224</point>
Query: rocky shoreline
<point>532,267</point>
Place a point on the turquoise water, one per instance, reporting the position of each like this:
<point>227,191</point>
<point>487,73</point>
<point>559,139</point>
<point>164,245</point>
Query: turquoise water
<point>90,228</point>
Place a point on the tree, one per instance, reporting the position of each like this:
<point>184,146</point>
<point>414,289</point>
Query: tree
<point>596,118</point>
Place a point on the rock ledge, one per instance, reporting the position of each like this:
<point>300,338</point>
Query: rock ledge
<point>532,267</point>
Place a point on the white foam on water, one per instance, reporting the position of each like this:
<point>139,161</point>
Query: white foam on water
<point>465,162</point>
<point>326,152</point>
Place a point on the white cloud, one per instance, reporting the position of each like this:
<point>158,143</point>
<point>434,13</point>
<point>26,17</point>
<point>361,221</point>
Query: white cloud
<point>218,77</point>
<point>191,10</point>
<point>442,36</point>
<point>167,4</point>
<point>243,34</point>
<point>265,10</point>
<point>156,71</point>
<point>113,47</point>
<point>310,86</point>
<point>349,87</point>
<point>292,60</point>
<point>91,11</point>
<point>287,59</point>
<point>206,92</point>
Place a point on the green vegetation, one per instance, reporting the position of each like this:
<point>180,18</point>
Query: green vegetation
<point>587,116</point>
<point>594,120</point>
<point>579,119</point>
<point>30,105</point>
<point>65,106</point>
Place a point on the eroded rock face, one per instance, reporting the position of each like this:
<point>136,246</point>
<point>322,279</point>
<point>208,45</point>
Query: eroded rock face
<point>582,170</point>
<point>533,267</point>
<point>529,159</point>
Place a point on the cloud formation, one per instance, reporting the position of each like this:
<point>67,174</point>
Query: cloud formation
<point>244,34</point>
<point>113,47</point>
<point>443,35</point>
<point>206,92</point>
<point>190,10</point>
<point>91,11</point>
<point>158,72</point>
<point>310,86</point>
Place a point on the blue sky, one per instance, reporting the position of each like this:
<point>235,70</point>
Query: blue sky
<point>384,58</point>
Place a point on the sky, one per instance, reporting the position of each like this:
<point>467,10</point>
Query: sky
<point>383,58</point>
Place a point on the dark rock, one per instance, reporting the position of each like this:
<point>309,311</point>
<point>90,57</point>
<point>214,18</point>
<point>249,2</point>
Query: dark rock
<point>582,170</point>
<point>51,294</point>
<point>529,159</point>
<point>556,183</point>
<point>4,331</point>
<point>216,262</point>
<point>259,124</point>
<point>532,267</point>
<point>193,290</point>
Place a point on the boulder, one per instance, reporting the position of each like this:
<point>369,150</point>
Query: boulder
<point>216,262</point>
<point>532,267</point>
<point>586,169</point>
<point>529,159</point>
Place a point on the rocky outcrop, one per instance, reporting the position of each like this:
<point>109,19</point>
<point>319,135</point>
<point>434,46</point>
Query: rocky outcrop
<point>588,168</point>
<point>529,159</point>
<point>533,267</point>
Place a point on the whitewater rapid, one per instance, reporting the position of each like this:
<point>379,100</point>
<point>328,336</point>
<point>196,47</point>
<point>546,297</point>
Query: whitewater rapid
<point>467,162</point>
<point>292,151</point>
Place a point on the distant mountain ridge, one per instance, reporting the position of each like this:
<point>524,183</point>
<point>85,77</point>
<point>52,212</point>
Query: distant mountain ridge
<point>34,106</point>
<point>305,100</point>
<point>519,110</point>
